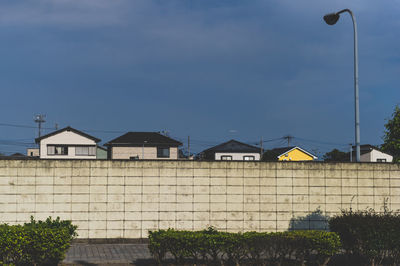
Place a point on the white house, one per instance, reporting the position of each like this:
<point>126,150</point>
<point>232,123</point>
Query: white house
<point>232,151</point>
<point>67,143</point>
<point>369,153</point>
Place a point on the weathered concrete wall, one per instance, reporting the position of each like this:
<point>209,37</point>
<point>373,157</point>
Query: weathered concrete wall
<point>125,199</point>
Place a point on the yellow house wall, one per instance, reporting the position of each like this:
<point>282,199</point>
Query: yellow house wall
<point>296,155</point>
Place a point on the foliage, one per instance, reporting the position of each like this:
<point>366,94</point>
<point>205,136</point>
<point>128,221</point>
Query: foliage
<point>35,243</point>
<point>213,247</point>
<point>391,138</point>
<point>369,235</point>
<point>336,156</point>
<point>269,156</point>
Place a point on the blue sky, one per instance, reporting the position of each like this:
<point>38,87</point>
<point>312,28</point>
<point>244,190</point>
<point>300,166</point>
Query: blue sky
<point>212,70</point>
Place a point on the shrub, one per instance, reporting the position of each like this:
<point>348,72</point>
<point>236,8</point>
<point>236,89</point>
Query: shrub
<point>213,247</point>
<point>35,243</point>
<point>370,235</point>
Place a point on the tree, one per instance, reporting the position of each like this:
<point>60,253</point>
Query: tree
<point>391,139</point>
<point>336,156</point>
<point>269,156</point>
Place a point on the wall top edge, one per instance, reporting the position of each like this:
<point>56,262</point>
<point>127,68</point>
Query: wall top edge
<point>315,165</point>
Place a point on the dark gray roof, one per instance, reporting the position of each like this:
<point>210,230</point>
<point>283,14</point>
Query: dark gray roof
<point>233,146</point>
<point>37,140</point>
<point>143,138</point>
<point>280,151</point>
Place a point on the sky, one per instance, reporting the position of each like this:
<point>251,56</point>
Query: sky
<point>212,70</point>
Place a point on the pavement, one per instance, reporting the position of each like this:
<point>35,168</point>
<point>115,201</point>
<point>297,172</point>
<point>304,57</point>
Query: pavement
<point>108,254</point>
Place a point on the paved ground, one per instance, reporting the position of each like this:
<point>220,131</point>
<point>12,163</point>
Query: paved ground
<point>108,254</point>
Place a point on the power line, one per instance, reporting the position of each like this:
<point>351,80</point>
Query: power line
<point>322,142</point>
<point>13,125</point>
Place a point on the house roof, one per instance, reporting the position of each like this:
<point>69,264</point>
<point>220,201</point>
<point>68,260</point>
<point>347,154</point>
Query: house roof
<point>17,155</point>
<point>281,151</point>
<point>37,140</point>
<point>143,138</point>
<point>233,146</point>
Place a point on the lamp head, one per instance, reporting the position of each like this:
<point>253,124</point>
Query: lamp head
<point>331,18</point>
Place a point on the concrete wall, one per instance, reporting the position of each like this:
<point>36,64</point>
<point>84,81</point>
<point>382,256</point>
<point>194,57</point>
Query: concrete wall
<point>125,199</point>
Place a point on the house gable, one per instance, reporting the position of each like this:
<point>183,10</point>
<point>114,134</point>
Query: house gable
<point>69,138</point>
<point>67,129</point>
<point>295,155</point>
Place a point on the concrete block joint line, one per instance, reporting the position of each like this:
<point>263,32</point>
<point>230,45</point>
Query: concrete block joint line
<point>125,199</point>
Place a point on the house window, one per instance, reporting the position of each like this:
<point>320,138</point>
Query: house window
<point>162,152</point>
<point>57,150</point>
<point>226,158</point>
<point>249,158</point>
<point>381,160</point>
<point>85,150</point>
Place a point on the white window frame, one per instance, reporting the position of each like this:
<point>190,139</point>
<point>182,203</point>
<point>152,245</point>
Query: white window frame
<point>84,150</point>
<point>52,150</point>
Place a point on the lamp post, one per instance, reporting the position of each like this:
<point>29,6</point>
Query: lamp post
<point>331,19</point>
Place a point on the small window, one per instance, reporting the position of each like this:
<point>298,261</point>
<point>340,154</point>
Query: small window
<point>57,150</point>
<point>249,158</point>
<point>162,152</point>
<point>226,158</point>
<point>381,160</point>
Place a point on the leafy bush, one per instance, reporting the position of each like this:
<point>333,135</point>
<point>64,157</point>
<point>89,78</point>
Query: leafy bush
<point>371,236</point>
<point>35,243</point>
<point>213,247</point>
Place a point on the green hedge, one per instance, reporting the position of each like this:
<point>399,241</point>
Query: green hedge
<point>372,237</point>
<point>35,243</point>
<point>214,247</point>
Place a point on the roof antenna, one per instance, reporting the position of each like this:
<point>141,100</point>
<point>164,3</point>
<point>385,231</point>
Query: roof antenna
<point>165,132</point>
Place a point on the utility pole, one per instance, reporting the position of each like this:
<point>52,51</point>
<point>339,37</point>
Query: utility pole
<point>188,147</point>
<point>261,148</point>
<point>56,126</point>
<point>351,152</point>
<point>289,138</point>
<point>39,119</point>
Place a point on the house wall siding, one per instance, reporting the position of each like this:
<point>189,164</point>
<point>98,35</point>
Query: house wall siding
<point>380,155</point>
<point>236,156</point>
<point>125,199</point>
<point>150,153</point>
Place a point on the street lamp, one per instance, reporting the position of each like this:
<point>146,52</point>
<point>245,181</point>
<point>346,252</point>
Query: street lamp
<point>331,19</point>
